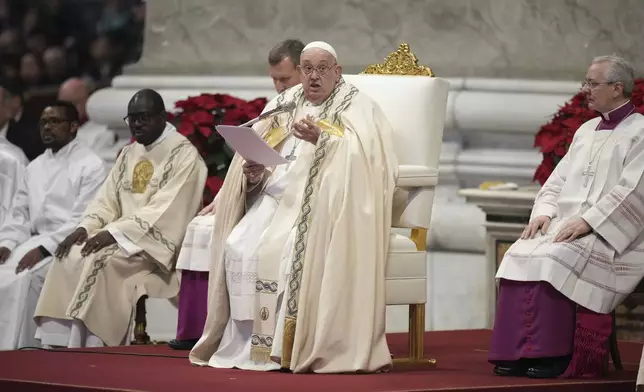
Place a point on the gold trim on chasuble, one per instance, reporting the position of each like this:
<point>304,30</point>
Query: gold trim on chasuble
<point>143,172</point>
<point>331,123</point>
<point>97,267</point>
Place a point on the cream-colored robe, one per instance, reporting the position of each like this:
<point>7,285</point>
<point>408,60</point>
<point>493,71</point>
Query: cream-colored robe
<point>600,269</point>
<point>338,208</point>
<point>149,197</point>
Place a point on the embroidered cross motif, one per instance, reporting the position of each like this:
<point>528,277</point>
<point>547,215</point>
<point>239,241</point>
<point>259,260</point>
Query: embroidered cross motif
<point>588,174</point>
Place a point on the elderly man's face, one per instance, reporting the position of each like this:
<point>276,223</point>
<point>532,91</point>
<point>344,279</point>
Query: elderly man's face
<point>320,74</point>
<point>601,93</point>
<point>284,74</point>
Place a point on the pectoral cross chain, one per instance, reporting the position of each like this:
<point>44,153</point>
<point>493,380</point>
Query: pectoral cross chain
<point>588,174</point>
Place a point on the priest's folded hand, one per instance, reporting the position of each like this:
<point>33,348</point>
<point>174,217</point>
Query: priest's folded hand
<point>253,171</point>
<point>29,260</point>
<point>573,229</point>
<point>307,130</point>
<point>98,242</point>
<point>4,254</point>
<point>77,237</point>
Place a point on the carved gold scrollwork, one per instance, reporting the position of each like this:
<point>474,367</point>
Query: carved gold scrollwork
<point>400,62</point>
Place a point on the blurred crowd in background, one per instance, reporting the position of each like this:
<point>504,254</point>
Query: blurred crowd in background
<point>43,43</point>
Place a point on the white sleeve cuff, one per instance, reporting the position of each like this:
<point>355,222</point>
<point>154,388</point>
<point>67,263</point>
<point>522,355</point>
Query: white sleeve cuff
<point>9,244</point>
<point>128,247</point>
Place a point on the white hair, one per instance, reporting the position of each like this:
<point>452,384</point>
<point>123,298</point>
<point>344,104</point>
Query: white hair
<point>620,71</point>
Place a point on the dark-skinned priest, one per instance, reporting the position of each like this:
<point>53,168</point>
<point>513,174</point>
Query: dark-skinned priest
<point>49,200</point>
<point>127,242</point>
<point>297,279</point>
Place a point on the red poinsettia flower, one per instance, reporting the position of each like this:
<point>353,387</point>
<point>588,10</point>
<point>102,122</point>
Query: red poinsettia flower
<point>197,117</point>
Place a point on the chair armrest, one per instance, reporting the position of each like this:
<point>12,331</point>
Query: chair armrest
<point>416,176</point>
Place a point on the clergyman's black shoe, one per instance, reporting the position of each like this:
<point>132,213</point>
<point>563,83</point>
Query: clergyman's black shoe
<point>551,370</point>
<point>176,344</point>
<point>510,371</point>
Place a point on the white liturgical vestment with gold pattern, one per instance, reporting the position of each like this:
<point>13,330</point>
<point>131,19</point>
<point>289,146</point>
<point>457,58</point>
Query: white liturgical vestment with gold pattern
<point>147,201</point>
<point>297,276</point>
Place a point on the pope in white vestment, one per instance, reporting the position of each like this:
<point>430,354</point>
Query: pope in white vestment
<point>581,254</point>
<point>127,242</point>
<point>13,166</point>
<point>297,277</point>
<point>48,204</point>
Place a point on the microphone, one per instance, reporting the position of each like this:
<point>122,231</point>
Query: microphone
<point>284,108</point>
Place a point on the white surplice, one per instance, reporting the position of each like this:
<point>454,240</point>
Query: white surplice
<point>13,166</point>
<point>601,179</point>
<point>46,208</point>
<point>241,264</point>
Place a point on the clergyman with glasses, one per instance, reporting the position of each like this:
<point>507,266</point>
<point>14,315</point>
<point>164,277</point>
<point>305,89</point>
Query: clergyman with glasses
<point>581,253</point>
<point>50,199</point>
<point>297,274</point>
<point>127,241</point>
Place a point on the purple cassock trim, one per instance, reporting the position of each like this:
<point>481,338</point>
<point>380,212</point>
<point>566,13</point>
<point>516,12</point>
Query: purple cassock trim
<point>193,304</point>
<point>533,320</point>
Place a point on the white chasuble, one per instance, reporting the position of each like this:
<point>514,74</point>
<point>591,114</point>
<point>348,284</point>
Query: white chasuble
<point>148,199</point>
<point>314,236</point>
<point>48,205</point>
<point>13,167</point>
<point>601,180</point>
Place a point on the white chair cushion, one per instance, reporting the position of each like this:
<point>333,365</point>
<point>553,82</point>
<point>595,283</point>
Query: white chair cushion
<point>406,272</point>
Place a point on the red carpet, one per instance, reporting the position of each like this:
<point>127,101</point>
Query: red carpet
<point>461,355</point>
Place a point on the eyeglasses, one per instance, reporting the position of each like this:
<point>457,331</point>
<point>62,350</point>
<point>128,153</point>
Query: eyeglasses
<point>143,118</point>
<point>51,120</point>
<point>593,85</point>
<point>321,70</point>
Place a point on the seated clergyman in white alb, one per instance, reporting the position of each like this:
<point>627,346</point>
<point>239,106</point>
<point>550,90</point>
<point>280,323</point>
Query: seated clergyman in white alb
<point>47,206</point>
<point>582,252</point>
<point>13,167</point>
<point>297,279</point>
<point>128,240</point>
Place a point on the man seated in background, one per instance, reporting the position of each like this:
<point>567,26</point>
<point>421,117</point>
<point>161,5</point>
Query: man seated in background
<point>13,166</point>
<point>50,200</point>
<point>97,136</point>
<point>126,244</point>
<point>194,258</point>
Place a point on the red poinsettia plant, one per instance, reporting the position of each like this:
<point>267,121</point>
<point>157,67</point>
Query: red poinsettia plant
<point>196,119</point>
<point>554,138</point>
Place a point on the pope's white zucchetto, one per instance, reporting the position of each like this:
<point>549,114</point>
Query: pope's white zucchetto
<point>321,45</point>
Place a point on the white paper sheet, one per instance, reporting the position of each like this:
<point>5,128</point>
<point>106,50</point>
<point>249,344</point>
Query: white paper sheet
<point>247,143</point>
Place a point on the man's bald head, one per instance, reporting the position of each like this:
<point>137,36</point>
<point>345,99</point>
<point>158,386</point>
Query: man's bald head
<point>151,99</point>
<point>146,116</point>
<point>76,91</point>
